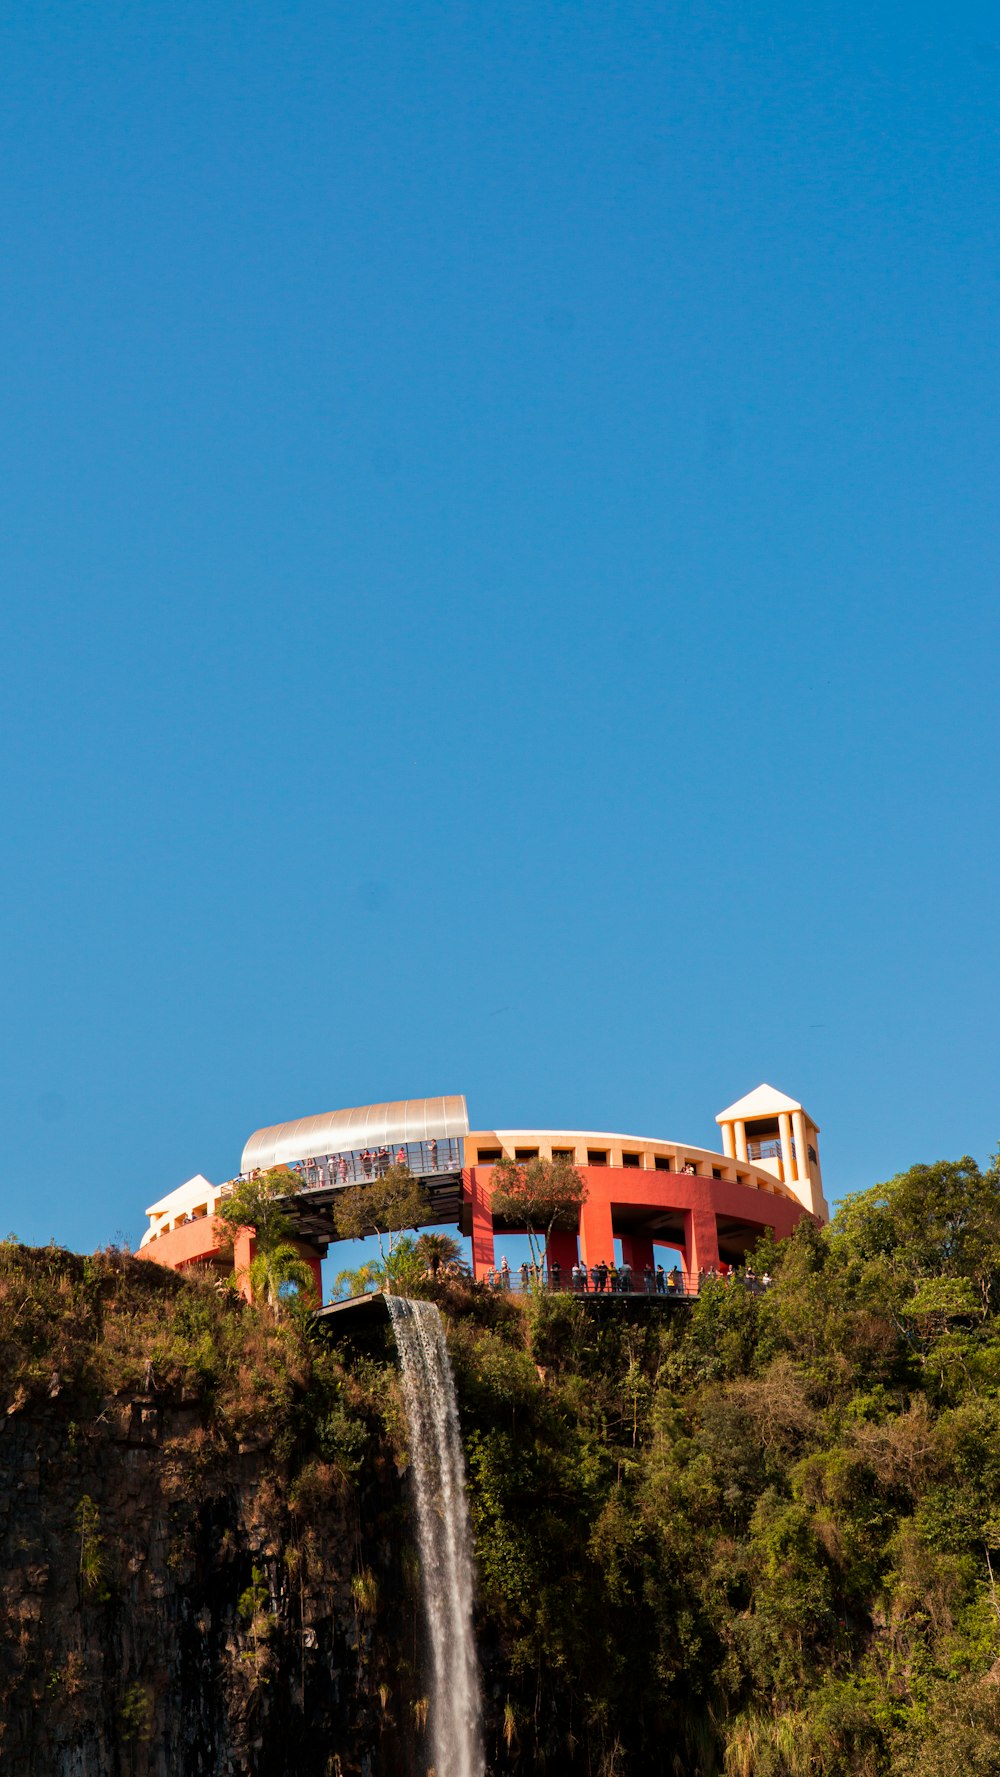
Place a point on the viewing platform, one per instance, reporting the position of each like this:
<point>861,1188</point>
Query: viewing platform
<point>645,1198</point>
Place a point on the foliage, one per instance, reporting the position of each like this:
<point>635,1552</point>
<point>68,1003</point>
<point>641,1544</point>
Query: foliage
<point>756,1536</point>
<point>276,1270</point>
<point>761,1531</point>
<point>540,1196</point>
<point>258,1203</point>
<point>432,1251</point>
<point>92,1564</point>
<point>384,1206</point>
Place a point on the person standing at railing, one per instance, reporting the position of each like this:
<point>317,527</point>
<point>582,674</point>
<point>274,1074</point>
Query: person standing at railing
<point>661,1281</point>
<point>648,1279</point>
<point>401,1156</point>
<point>504,1273</point>
<point>432,1153</point>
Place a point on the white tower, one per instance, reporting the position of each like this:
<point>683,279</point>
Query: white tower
<point>770,1130</point>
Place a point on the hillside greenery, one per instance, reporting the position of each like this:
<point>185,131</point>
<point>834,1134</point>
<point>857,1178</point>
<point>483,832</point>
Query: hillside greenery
<point>758,1536</point>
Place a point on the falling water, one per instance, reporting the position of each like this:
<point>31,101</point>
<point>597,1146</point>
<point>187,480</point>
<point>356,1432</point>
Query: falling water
<point>443,1536</point>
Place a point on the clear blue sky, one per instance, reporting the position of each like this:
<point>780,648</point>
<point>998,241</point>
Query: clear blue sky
<point>499,558</point>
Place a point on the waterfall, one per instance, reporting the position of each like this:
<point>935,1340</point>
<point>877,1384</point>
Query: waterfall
<point>444,1538</point>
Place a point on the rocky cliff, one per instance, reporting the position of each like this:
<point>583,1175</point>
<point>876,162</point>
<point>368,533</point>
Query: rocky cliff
<point>199,1530</point>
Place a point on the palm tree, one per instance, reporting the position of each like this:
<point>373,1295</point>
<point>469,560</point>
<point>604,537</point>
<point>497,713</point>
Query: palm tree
<point>435,1250</point>
<point>273,1268</point>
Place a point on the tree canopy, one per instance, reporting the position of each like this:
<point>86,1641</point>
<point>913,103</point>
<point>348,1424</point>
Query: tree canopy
<point>276,1268</point>
<point>258,1203</point>
<point>540,1196</point>
<point>383,1207</point>
<point>775,1550</point>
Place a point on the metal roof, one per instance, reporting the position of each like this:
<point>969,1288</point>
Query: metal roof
<point>348,1132</point>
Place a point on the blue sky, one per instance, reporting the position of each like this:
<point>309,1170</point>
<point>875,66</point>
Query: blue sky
<point>499,563</point>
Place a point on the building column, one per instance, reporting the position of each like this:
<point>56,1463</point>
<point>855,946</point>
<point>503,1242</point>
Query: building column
<point>244,1246</point>
<point>801,1147</point>
<point>562,1252</point>
<point>637,1251</point>
<point>476,1192</point>
<point>787,1163</point>
<point>701,1241</point>
<point>728,1144</point>
<point>741,1141</point>
<point>316,1267</point>
<point>597,1238</point>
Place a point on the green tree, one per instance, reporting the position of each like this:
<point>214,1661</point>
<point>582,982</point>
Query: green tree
<point>436,1250</point>
<point>931,1221</point>
<point>384,1207</point>
<point>259,1203</point>
<point>275,1271</point>
<point>539,1196</point>
<point>277,1267</point>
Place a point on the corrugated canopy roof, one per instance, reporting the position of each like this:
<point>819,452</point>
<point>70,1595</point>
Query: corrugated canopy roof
<point>348,1132</point>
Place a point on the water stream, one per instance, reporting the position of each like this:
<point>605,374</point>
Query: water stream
<point>444,1538</point>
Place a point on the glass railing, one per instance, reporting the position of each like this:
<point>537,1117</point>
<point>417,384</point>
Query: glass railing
<point>423,1158</point>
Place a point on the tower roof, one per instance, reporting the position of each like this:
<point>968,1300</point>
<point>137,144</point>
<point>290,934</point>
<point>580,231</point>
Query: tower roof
<point>763,1101</point>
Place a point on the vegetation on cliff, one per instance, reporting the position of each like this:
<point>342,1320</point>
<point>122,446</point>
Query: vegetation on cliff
<point>756,1537</point>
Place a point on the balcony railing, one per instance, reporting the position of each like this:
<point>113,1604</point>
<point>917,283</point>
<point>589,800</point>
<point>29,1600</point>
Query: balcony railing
<point>424,1159</point>
<point>619,1281</point>
<point>767,1150</point>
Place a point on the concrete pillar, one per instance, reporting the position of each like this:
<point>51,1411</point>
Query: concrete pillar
<point>244,1246</point>
<point>476,1191</point>
<point>316,1267</point>
<point>701,1241</point>
<point>562,1252</point>
<point>728,1144</point>
<point>801,1147</point>
<point>638,1251</point>
<point>787,1163</point>
<point>597,1239</point>
<point>741,1141</point>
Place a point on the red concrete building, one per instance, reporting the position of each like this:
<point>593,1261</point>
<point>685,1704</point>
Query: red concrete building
<point>645,1192</point>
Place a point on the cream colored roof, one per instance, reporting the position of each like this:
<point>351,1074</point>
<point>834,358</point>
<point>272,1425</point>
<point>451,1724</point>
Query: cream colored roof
<point>347,1132</point>
<point>764,1101</point>
<point>194,1190</point>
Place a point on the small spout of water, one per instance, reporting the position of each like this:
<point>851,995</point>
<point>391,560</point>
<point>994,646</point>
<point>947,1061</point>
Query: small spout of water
<point>444,1538</point>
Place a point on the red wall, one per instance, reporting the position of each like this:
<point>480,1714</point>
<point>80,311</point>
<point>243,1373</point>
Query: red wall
<point>699,1200</point>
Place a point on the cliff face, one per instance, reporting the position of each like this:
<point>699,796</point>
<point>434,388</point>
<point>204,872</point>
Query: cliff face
<point>192,1561</point>
<point>755,1537</point>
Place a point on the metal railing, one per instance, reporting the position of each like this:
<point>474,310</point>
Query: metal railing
<point>609,1280</point>
<point>767,1150</point>
<point>424,1159</point>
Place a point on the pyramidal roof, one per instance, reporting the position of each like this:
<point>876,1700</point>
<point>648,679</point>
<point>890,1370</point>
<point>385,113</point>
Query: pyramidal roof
<point>193,1190</point>
<point>763,1101</point>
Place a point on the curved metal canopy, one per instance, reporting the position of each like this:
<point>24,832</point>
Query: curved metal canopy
<point>348,1132</point>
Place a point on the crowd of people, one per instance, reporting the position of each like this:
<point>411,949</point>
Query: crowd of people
<point>603,1278</point>
<point>371,1163</point>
